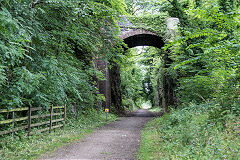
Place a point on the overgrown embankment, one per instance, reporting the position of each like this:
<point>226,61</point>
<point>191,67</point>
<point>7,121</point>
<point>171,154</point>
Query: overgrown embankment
<point>48,48</point>
<point>193,132</point>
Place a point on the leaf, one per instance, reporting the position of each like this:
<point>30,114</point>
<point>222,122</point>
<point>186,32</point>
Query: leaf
<point>186,62</point>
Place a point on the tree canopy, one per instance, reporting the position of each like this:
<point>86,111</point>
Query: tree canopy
<point>47,50</point>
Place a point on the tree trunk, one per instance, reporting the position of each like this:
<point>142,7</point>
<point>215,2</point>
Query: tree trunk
<point>116,96</point>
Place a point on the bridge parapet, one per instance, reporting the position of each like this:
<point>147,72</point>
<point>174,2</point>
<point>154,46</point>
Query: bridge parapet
<point>133,32</point>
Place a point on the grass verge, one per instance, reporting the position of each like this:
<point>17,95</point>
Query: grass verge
<point>24,147</point>
<point>195,132</point>
<point>156,109</point>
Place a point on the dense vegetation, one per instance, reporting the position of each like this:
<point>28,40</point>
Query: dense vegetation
<point>203,58</point>
<point>140,77</point>
<point>47,51</point>
<point>191,133</point>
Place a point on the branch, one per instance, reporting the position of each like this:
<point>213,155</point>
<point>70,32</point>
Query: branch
<point>202,98</point>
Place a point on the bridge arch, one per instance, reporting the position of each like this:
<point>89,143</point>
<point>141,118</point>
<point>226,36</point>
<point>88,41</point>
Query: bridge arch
<point>110,87</point>
<point>141,37</point>
<point>133,37</point>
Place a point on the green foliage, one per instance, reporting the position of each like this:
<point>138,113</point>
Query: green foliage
<point>131,80</point>
<point>191,133</point>
<point>140,74</point>
<point>152,59</point>
<point>155,23</point>
<point>47,51</point>
<point>141,7</point>
<point>206,55</point>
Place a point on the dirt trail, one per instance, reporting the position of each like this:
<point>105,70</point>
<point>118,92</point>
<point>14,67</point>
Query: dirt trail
<point>116,141</point>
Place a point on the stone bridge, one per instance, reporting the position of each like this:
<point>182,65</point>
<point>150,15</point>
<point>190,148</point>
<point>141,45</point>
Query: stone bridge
<point>133,37</point>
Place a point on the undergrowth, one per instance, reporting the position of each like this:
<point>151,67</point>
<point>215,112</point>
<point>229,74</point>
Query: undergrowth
<point>155,109</point>
<point>24,147</point>
<point>192,133</point>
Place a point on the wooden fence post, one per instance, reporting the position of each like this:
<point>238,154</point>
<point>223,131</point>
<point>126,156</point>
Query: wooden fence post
<point>64,114</point>
<point>29,120</point>
<point>51,114</point>
<point>13,122</point>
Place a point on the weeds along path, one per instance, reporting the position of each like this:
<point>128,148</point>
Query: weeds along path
<point>117,140</point>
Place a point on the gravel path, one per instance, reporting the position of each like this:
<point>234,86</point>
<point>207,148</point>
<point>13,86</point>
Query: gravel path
<point>115,141</point>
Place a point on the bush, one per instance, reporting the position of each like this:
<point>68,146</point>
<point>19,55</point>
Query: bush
<point>192,133</point>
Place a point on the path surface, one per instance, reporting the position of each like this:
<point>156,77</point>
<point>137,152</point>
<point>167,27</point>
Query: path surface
<point>115,141</point>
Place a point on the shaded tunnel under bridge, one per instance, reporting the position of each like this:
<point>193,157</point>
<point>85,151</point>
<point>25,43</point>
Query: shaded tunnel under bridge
<point>133,37</point>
